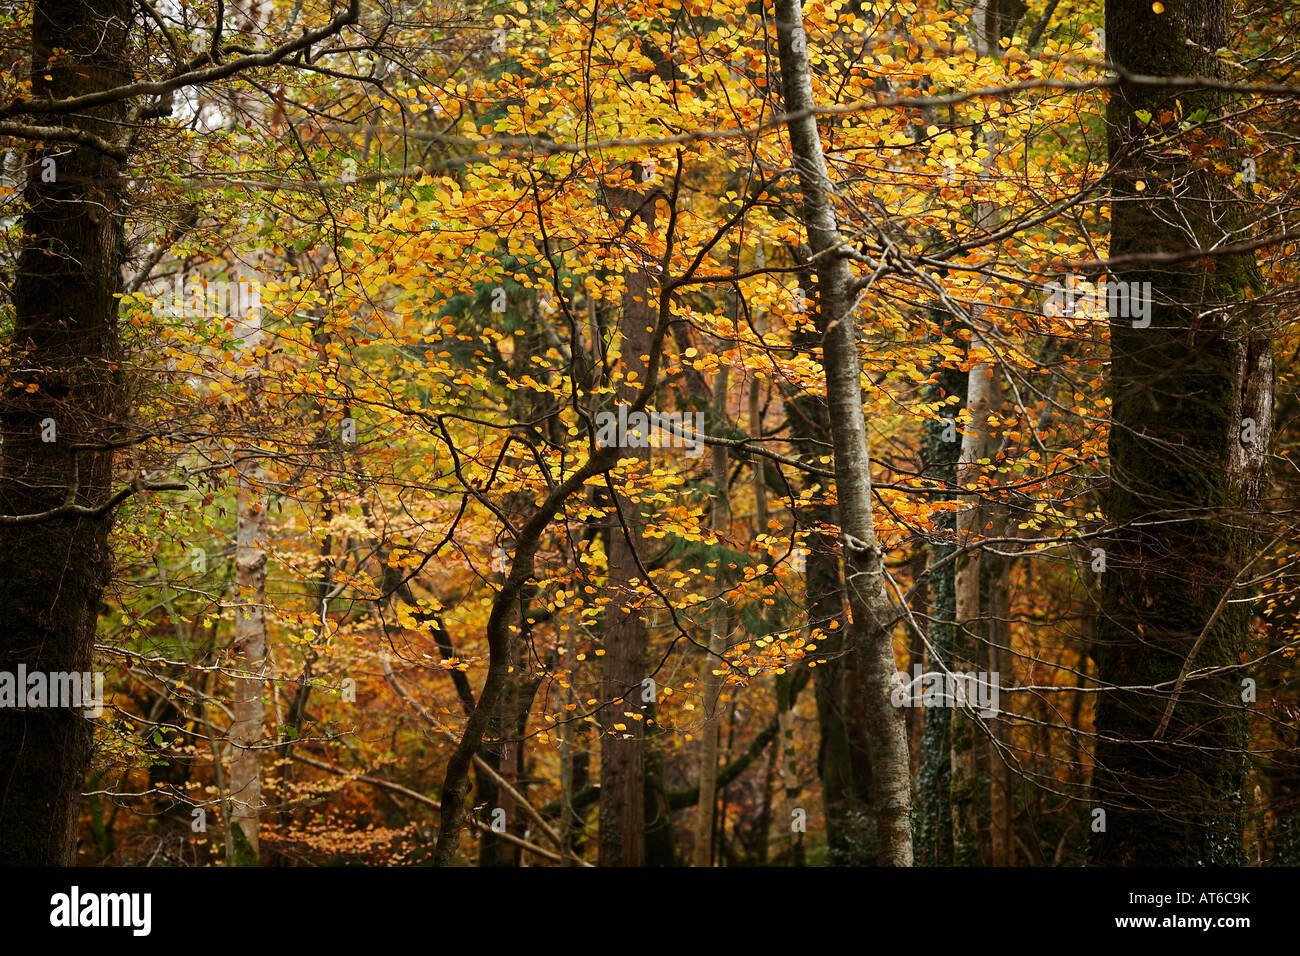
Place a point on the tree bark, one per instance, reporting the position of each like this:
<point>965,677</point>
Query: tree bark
<point>871,612</point>
<point>711,676</point>
<point>249,649</point>
<point>52,573</point>
<point>969,619</point>
<point>843,764</point>
<point>934,829</point>
<point>623,752</point>
<point>997,589</point>
<point>1169,768</point>
<point>993,21</point>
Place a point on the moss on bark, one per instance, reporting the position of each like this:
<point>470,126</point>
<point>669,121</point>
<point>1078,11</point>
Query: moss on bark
<point>1178,500</point>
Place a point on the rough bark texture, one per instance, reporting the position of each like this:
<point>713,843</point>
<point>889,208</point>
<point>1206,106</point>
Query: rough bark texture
<point>933,819</point>
<point>870,642</point>
<point>623,752</point>
<point>52,573</point>
<point>1180,390</point>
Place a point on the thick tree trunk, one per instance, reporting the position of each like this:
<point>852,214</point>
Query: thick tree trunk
<point>1169,767</point>
<point>871,611</point>
<point>52,572</point>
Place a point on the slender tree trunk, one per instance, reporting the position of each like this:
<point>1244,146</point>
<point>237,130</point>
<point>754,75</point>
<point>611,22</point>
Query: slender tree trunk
<point>997,585</point>
<point>1169,766</point>
<point>52,572</point>
<point>784,765</point>
<point>918,602</point>
<point>711,670</point>
<point>872,614</point>
<point>759,849</point>
<point>568,816</point>
<point>248,652</point>
<point>846,807</point>
<point>455,785</point>
<point>623,752</point>
<point>503,743</point>
<point>969,619</point>
<point>934,828</point>
<point>993,20</point>
<point>788,768</point>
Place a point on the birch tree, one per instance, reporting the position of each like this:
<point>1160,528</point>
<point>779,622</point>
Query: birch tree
<point>248,652</point>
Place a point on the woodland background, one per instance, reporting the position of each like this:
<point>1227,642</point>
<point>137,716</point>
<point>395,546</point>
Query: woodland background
<point>322,299</point>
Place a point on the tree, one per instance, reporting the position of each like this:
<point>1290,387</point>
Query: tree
<point>61,421</point>
<point>65,409</point>
<point>870,609</point>
<point>712,669</point>
<point>487,234</point>
<point>1170,726</point>
<point>250,651</point>
<point>934,826</point>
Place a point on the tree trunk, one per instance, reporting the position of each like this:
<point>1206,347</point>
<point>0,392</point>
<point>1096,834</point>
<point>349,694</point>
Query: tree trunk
<point>711,670</point>
<point>969,624</point>
<point>1169,767</point>
<point>846,807</point>
<point>994,19</point>
<point>249,660</point>
<point>622,752</point>
<point>997,588</point>
<point>52,572</point>
<point>504,740</point>
<point>871,612</point>
<point>934,829</point>
<point>248,652</point>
